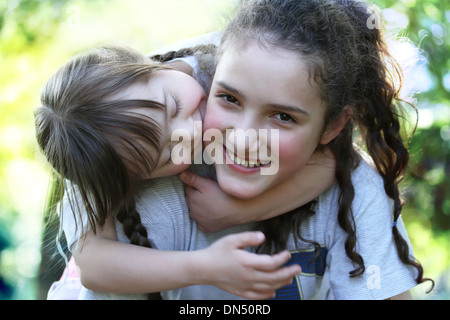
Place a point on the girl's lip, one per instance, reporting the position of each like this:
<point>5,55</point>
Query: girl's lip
<point>238,168</point>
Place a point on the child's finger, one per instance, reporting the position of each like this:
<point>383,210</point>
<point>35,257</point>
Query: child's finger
<point>266,283</point>
<point>191,179</point>
<point>268,263</point>
<point>244,239</point>
<point>256,294</point>
<point>277,279</point>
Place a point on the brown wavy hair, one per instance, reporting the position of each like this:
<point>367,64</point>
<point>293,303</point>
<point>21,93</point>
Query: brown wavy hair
<point>97,146</point>
<point>351,66</point>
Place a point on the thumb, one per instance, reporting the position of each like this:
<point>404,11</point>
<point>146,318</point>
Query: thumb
<point>245,239</point>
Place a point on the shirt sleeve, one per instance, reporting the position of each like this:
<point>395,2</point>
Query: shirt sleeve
<point>385,274</point>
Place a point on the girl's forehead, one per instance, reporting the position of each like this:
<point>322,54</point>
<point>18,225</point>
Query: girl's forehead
<point>271,72</point>
<point>256,55</point>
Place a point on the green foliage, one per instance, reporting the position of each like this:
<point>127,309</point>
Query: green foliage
<point>429,187</point>
<point>23,23</point>
<point>427,204</point>
<point>426,25</point>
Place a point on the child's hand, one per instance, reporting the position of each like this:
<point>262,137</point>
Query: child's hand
<point>246,274</point>
<point>209,206</point>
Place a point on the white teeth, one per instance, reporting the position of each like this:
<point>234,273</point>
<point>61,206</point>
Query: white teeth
<point>245,163</point>
<point>230,155</point>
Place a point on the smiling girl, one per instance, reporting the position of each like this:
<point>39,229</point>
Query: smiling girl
<point>315,72</point>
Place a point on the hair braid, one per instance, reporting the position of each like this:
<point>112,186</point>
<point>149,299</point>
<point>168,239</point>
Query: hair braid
<point>135,231</point>
<point>132,225</point>
<point>184,52</point>
<point>171,55</point>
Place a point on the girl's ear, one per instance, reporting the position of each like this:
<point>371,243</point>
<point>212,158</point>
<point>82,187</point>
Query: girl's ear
<point>335,126</point>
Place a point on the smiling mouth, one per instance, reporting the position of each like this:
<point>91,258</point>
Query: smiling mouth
<point>246,163</point>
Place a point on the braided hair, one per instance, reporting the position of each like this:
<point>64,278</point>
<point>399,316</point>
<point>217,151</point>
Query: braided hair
<point>205,55</point>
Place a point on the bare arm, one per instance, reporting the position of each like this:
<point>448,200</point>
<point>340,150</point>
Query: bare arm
<point>214,210</point>
<point>110,266</point>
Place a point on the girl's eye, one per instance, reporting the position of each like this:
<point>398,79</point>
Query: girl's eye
<point>228,98</point>
<point>177,106</point>
<point>284,117</point>
<point>169,161</point>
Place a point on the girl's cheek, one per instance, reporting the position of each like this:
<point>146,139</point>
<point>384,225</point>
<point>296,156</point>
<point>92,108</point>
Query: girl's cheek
<point>286,151</point>
<point>290,152</point>
<point>210,123</point>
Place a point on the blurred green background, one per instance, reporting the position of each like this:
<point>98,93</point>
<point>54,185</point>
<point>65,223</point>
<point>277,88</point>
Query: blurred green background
<point>37,36</point>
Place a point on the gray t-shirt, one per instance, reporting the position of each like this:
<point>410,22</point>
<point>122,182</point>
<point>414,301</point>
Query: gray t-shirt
<point>165,215</point>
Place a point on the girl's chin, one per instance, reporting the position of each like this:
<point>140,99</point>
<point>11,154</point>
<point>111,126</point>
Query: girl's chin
<point>239,189</point>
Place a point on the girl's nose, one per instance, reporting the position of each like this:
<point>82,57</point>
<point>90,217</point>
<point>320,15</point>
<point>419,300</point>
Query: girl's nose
<point>244,142</point>
<point>247,133</point>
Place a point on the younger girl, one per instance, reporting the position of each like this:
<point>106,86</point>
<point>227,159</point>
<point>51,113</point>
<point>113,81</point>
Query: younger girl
<point>105,125</point>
